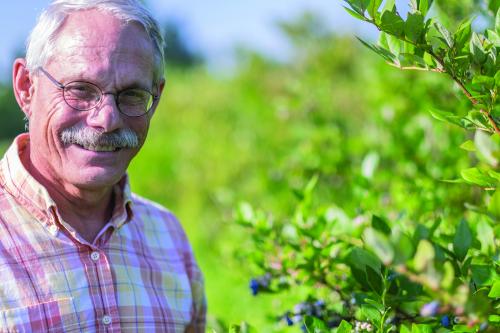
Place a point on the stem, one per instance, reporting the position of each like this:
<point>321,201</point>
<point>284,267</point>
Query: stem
<point>415,68</point>
<point>475,102</point>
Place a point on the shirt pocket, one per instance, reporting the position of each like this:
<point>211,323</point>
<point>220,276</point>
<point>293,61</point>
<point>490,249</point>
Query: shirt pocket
<point>53,316</point>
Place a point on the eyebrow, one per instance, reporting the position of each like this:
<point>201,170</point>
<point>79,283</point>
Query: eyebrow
<point>121,87</point>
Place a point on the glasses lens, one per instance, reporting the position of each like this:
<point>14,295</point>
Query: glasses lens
<point>135,102</point>
<point>82,95</point>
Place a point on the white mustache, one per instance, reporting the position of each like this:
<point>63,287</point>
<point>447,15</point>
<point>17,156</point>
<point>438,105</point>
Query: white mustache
<point>88,137</point>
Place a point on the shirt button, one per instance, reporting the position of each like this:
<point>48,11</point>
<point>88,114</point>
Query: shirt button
<point>95,256</point>
<point>53,229</point>
<point>106,320</point>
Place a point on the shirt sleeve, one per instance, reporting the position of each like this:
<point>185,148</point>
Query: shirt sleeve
<point>199,309</point>
<point>196,281</point>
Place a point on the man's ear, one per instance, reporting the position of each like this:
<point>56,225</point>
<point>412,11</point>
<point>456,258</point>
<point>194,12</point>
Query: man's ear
<point>23,86</point>
<point>161,85</point>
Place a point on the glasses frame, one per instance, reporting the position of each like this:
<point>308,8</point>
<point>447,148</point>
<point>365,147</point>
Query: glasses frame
<point>116,95</point>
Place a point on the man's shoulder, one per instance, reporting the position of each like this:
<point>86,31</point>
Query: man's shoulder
<point>143,204</point>
<point>154,216</point>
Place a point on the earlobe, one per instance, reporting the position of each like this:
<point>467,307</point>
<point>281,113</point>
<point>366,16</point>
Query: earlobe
<point>22,85</point>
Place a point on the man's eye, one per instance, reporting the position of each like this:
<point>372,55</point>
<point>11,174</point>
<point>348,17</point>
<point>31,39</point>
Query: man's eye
<point>81,91</point>
<point>134,97</point>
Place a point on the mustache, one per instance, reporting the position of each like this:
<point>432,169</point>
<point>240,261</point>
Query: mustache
<point>89,137</point>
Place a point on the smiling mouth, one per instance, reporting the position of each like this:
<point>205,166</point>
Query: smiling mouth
<point>99,148</point>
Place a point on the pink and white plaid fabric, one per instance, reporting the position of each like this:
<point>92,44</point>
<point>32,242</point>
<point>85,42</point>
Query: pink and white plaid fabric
<point>139,275</point>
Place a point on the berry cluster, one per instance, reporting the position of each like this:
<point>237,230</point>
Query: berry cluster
<point>261,283</point>
<point>313,308</point>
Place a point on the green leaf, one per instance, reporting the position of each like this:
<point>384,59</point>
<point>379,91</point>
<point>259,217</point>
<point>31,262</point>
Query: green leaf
<point>408,59</point>
<point>358,5</point>
<point>355,14</point>
<point>373,7</point>
<point>403,249</point>
<point>374,280</point>
<point>394,43</point>
<point>486,237</point>
<point>344,327</point>
<point>477,50</point>
<point>392,23</point>
<point>381,225</point>
<point>404,329</point>
<point>494,205</point>
<point>495,290</point>
<point>370,313</point>
<point>421,328</point>
<point>481,274</point>
<point>424,256</point>
<point>487,147</point>
<point>423,6</point>
<point>245,214</point>
<point>493,37</point>
<point>369,165</point>
<point>314,325</point>
<point>360,258</point>
<point>375,304</point>
<point>477,118</point>
<point>468,145</point>
<point>379,244</point>
<point>388,56</point>
<point>497,21</point>
<point>444,33</point>
<point>389,5</point>
<point>477,177</point>
<point>414,26</point>
<point>448,275</point>
<point>446,116</point>
<point>462,240</point>
<point>463,34</point>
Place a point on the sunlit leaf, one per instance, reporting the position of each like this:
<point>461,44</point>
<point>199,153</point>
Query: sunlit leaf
<point>462,240</point>
<point>495,290</point>
<point>424,255</point>
<point>379,244</point>
<point>477,177</point>
<point>392,23</point>
<point>414,26</point>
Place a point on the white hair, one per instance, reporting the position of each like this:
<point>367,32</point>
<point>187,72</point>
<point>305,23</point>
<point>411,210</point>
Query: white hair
<point>41,41</point>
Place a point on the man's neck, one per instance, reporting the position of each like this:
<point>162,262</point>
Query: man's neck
<point>86,210</point>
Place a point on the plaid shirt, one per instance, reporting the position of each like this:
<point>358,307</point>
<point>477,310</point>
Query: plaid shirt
<point>139,275</point>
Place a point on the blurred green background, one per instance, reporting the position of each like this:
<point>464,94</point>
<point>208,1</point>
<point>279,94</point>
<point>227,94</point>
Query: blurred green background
<point>263,130</point>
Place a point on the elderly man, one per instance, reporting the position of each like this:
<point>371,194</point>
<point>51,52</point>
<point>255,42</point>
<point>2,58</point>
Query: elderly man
<point>78,251</point>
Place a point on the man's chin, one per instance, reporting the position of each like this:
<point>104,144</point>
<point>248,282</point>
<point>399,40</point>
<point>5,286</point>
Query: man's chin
<point>95,178</point>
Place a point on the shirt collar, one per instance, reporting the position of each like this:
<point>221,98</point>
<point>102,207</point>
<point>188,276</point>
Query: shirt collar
<point>20,184</point>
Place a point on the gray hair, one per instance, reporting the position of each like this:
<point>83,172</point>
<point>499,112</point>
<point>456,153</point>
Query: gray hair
<point>41,42</point>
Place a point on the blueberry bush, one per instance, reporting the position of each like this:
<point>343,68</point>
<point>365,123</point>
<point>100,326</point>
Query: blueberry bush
<point>394,225</point>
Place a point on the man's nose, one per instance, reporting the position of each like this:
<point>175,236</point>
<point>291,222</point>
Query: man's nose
<point>106,115</point>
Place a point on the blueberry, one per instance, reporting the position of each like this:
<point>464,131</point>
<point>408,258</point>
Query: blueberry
<point>289,320</point>
<point>429,309</point>
<point>254,286</point>
<point>319,303</point>
<point>445,321</point>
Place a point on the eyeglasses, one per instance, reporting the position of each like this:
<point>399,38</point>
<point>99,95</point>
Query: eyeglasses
<point>84,96</point>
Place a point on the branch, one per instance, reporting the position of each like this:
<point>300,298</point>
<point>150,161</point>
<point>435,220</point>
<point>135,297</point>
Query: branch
<point>443,70</point>
<point>415,68</point>
<point>475,102</point>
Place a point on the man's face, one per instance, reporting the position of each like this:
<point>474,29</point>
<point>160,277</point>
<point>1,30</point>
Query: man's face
<point>94,47</point>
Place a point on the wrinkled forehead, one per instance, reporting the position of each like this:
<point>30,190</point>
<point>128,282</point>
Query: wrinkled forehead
<point>92,38</point>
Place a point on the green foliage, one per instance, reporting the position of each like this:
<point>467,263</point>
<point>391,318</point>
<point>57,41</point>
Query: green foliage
<point>371,214</point>
<point>12,118</point>
<point>379,232</point>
